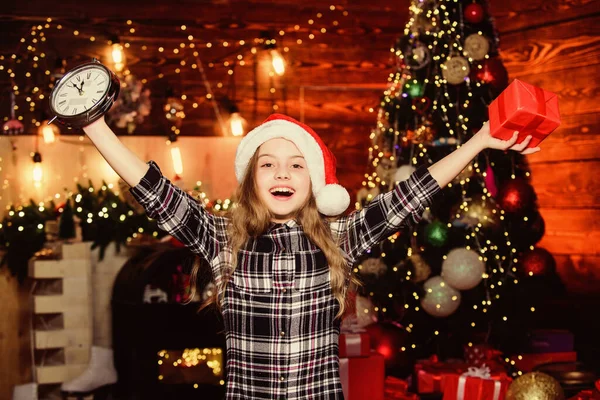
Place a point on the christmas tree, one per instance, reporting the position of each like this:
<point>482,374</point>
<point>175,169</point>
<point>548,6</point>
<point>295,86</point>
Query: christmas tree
<point>469,272</point>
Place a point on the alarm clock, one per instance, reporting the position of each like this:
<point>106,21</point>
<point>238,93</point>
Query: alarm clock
<point>84,94</point>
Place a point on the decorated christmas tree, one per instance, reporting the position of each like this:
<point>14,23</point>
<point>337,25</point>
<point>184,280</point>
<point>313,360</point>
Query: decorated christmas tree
<point>469,272</point>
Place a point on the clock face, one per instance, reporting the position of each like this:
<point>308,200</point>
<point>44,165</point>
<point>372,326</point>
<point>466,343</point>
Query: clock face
<point>78,92</point>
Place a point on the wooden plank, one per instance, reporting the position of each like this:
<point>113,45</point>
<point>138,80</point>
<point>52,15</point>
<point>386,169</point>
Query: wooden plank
<point>577,138</point>
<point>556,47</point>
<point>50,339</point>
<point>571,231</point>
<point>15,344</point>
<point>566,184</point>
<point>579,273</point>
<point>517,15</point>
<point>577,92</point>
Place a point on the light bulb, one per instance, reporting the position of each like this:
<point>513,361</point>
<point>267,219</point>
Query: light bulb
<point>237,124</point>
<point>177,162</point>
<point>49,133</point>
<point>38,173</point>
<point>118,56</point>
<point>278,62</point>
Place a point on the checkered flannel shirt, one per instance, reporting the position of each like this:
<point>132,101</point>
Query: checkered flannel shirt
<point>278,309</point>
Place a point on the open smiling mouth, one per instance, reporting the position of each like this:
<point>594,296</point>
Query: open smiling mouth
<point>282,193</point>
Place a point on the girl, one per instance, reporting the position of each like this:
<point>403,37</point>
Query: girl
<point>281,267</point>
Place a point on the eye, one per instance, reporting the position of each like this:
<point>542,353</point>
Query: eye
<point>297,166</point>
<point>267,165</point>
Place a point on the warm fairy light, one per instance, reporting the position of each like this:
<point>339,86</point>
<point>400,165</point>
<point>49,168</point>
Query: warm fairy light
<point>177,160</point>
<point>278,62</point>
<point>118,56</point>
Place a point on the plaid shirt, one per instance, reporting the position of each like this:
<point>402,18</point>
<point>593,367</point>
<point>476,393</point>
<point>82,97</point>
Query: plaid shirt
<point>278,309</point>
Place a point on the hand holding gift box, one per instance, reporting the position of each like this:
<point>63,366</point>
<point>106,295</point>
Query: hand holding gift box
<point>527,109</point>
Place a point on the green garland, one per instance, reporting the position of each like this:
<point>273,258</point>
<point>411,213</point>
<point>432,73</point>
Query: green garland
<point>104,216</point>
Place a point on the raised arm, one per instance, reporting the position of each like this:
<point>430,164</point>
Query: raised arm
<point>122,160</point>
<point>176,211</point>
<point>405,203</point>
<point>446,169</point>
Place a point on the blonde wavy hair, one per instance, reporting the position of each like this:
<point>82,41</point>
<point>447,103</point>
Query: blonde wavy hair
<point>250,218</point>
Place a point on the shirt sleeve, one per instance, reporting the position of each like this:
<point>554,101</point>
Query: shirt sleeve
<point>386,214</point>
<point>179,214</point>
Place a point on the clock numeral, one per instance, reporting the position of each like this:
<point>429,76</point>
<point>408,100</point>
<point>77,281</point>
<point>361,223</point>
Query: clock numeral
<point>78,78</point>
<point>94,101</point>
<point>96,76</point>
<point>85,108</point>
<point>64,111</point>
<point>100,83</point>
<point>89,75</point>
<point>75,111</point>
<point>100,91</point>
<point>63,95</point>
<point>62,102</point>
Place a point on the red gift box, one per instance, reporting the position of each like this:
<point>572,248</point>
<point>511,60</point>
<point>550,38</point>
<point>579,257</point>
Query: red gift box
<point>587,395</point>
<point>397,389</point>
<point>525,108</point>
<point>363,377</point>
<point>475,386</point>
<point>527,362</point>
<point>432,376</point>
<point>355,345</point>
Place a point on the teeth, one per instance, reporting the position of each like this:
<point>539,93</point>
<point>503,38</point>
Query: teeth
<point>286,190</point>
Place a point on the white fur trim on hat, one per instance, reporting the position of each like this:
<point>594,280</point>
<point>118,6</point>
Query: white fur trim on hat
<point>332,200</point>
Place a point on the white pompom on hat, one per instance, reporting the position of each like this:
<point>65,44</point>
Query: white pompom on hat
<point>332,198</point>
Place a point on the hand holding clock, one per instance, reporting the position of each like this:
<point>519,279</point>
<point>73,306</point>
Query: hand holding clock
<point>75,110</point>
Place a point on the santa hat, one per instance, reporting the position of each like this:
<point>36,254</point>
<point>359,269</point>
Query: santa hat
<point>332,198</point>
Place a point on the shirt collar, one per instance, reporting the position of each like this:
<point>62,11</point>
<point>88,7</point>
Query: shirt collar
<point>276,225</point>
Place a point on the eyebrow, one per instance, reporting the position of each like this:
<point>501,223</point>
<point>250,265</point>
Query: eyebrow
<point>271,155</point>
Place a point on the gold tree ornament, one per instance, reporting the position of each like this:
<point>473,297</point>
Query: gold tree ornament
<point>535,386</point>
<point>455,70</point>
<point>476,46</point>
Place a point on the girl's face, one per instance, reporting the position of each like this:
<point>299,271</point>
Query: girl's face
<point>282,179</point>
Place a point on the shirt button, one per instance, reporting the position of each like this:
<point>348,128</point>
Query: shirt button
<point>282,333</point>
<point>284,290</point>
<point>282,378</point>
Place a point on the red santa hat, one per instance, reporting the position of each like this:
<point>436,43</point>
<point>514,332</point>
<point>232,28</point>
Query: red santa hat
<point>332,199</point>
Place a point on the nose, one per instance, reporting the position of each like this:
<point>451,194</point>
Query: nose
<point>282,173</point>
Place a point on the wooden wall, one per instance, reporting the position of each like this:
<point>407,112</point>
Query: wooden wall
<point>556,45</point>
<point>550,43</point>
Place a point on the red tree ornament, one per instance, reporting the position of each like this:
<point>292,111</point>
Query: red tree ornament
<point>492,72</point>
<point>474,13</point>
<point>537,262</point>
<point>516,196</point>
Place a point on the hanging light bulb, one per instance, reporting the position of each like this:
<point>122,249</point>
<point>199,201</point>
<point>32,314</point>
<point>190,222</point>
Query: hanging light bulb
<point>177,161</point>
<point>278,62</point>
<point>38,172</point>
<point>49,132</point>
<point>118,56</point>
<point>237,123</point>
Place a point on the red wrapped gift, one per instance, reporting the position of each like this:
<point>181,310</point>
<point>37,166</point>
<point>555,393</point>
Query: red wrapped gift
<point>527,362</point>
<point>355,345</point>
<point>362,377</point>
<point>432,376</point>
<point>476,384</point>
<point>525,108</point>
<point>587,395</point>
<point>397,389</point>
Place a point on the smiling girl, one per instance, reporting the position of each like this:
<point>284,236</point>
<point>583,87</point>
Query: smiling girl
<point>282,259</point>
